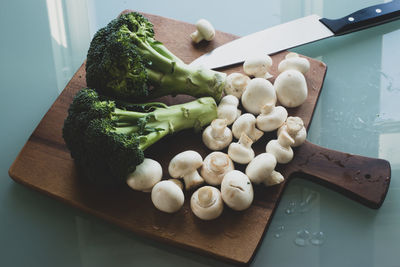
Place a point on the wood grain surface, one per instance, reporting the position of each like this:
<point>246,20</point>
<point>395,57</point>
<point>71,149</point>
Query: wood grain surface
<point>45,165</point>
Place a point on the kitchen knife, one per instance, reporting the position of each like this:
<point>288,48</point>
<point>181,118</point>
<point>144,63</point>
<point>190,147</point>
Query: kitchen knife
<point>297,32</point>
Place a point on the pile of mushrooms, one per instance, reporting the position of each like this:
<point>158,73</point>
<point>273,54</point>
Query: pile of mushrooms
<point>230,138</point>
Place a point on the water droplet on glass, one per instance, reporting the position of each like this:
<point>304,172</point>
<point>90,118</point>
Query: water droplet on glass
<point>291,207</point>
<point>279,231</point>
<point>318,238</point>
<point>302,238</point>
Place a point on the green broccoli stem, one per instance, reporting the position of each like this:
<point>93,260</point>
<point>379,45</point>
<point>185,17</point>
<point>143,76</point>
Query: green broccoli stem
<point>188,80</point>
<point>164,121</point>
<point>195,114</point>
<point>171,76</point>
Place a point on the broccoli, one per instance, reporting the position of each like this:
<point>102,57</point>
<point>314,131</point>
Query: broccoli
<point>125,61</point>
<point>107,142</point>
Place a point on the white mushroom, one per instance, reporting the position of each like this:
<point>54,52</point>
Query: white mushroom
<point>206,203</point>
<point>271,117</point>
<point>185,165</point>
<point>217,135</point>
<point>215,166</point>
<point>235,84</point>
<point>258,93</point>
<point>258,66</point>
<point>227,109</point>
<point>167,196</point>
<point>246,123</point>
<point>146,175</point>
<point>236,190</point>
<point>295,128</point>
<point>261,170</point>
<point>205,31</point>
<point>293,61</point>
<point>281,148</point>
<point>291,88</point>
<point>241,152</point>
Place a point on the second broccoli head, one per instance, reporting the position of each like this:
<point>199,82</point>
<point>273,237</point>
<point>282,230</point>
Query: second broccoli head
<point>125,61</point>
<point>107,142</point>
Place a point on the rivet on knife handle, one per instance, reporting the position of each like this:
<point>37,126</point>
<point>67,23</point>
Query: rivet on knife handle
<point>364,18</point>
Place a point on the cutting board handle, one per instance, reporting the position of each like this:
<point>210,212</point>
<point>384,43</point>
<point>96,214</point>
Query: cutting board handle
<point>361,178</point>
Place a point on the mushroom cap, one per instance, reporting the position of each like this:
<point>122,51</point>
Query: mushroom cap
<point>257,65</point>
<point>184,163</point>
<point>217,136</point>
<point>227,109</point>
<point>261,167</point>
<point>291,88</point>
<point>281,148</point>
<point>215,166</point>
<point>271,121</point>
<point>235,84</point>
<point>246,123</point>
<point>206,203</point>
<point>241,152</point>
<point>145,176</point>
<point>167,196</point>
<point>295,62</point>
<point>258,93</point>
<point>206,29</point>
<point>236,190</point>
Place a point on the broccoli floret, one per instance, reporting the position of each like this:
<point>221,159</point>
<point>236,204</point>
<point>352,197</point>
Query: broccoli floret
<point>125,61</point>
<point>107,142</point>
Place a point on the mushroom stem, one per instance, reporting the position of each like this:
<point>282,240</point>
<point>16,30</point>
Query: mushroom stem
<point>206,197</point>
<point>218,128</point>
<point>267,108</point>
<point>285,140</point>
<point>218,164</point>
<point>245,140</point>
<point>274,178</point>
<point>192,179</point>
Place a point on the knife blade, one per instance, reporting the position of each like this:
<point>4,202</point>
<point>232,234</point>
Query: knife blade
<point>295,33</point>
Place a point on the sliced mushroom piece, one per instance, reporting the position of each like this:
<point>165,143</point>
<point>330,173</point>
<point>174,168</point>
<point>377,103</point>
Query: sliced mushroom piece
<point>271,117</point>
<point>167,196</point>
<point>217,135</point>
<point>146,175</point>
<point>185,165</point>
<point>206,203</point>
<point>215,166</point>
<point>246,123</point>
<point>258,93</point>
<point>281,148</point>
<point>295,128</point>
<point>228,109</point>
<point>236,190</point>
<point>241,152</point>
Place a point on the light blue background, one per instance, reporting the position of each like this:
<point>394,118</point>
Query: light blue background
<point>42,44</point>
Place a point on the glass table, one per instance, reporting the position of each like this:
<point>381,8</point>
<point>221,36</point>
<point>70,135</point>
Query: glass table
<point>44,42</point>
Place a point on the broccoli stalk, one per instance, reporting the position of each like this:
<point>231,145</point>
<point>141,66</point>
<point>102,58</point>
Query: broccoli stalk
<point>163,121</point>
<point>107,142</point>
<point>125,61</point>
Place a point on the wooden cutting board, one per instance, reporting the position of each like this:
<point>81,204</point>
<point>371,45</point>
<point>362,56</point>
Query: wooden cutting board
<point>45,165</point>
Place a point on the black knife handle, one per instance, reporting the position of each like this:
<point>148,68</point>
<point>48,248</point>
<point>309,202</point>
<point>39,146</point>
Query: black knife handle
<point>364,18</point>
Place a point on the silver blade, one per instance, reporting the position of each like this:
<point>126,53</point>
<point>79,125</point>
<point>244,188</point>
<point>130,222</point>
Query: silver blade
<point>272,40</point>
